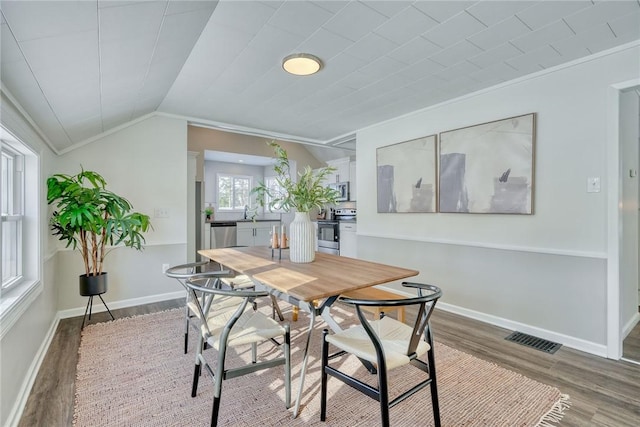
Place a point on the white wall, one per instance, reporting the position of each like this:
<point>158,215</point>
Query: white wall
<point>23,345</point>
<point>147,164</point>
<point>545,273</point>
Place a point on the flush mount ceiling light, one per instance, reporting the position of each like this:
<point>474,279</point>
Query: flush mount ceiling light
<point>301,64</point>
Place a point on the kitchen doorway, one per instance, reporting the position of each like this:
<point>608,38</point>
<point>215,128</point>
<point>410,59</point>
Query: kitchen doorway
<point>629,122</point>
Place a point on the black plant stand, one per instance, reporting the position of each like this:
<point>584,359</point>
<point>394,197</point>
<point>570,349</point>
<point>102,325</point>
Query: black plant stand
<point>90,308</point>
<point>90,286</point>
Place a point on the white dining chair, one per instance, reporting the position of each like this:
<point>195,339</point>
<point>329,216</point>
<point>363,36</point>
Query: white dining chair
<point>387,344</point>
<point>182,273</point>
<point>228,318</point>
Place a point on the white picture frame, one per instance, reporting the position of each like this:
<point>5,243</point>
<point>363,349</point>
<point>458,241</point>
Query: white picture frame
<point>488,168</point>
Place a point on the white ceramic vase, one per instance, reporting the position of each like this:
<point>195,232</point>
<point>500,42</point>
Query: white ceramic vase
<point>302,234</point>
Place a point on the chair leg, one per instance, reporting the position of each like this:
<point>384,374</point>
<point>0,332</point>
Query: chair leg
<point>383,390</point>
<point>218,378</point>
<point>215,411</point>
<point>198,367</point>
<point>186,329</point>
<point>434,387</point>
<point>254,352</point>
<point>287,365</point>
<point>196,376</point>
<point>325,362</point>
<point>186,321</point>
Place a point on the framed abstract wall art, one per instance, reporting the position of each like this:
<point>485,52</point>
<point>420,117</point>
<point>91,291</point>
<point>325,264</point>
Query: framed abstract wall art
<point>406,175</point>
<point>488,168</point>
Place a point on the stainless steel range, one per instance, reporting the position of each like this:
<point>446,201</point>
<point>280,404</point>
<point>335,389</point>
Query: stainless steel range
<point>329,230</point>
<point>345,214</point>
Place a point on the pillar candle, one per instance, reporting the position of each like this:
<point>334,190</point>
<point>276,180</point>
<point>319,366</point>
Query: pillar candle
<point>274,237</point>
<point>283,237</point>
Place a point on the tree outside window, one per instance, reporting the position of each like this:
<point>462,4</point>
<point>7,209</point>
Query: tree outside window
<point>234,191</point>
<point>271,182</point>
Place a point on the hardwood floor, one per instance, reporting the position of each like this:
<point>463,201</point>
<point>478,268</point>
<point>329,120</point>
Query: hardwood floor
<point>631,344</point>
<point>603,392</point>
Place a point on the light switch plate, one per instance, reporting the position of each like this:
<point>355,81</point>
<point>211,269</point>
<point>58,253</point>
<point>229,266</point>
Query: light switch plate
<point>593,184</point>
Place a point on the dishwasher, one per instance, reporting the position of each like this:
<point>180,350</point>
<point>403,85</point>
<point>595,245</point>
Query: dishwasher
<point>223,234</point>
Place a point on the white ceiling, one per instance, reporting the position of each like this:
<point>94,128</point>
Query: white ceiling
<point>80,68</point>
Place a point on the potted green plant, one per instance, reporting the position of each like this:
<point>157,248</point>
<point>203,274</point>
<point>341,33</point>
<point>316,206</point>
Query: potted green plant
<point>300,195</point>
<point>92,219</point>
<point>208,212</point>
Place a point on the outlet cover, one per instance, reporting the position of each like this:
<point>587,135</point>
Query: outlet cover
<point>161,213</point>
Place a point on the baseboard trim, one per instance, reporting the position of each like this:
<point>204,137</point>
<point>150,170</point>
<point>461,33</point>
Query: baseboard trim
<point>630,325</point>
<point>634,362</point>
<point>25,390</point>
<point>98,307</point>
<point>567,340</point>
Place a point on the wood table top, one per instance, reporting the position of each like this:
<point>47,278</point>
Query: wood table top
<point>328,275</point>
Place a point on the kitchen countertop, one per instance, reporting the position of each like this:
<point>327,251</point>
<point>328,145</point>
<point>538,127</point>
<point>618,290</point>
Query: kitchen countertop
<point>222,223</point>
<point>216,223</point>
<point>258,220</point>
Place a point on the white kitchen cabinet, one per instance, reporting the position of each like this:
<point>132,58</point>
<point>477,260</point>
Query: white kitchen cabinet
<point>341,174</point>
<point>245,236</point>
<point>256,233</point>
<point>348,239</point>
<point>263,235</point>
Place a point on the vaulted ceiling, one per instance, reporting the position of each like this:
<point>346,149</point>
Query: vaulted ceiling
<point>81,68</point>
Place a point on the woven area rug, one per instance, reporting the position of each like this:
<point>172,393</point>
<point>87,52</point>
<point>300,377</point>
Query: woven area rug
<point>132,372</point>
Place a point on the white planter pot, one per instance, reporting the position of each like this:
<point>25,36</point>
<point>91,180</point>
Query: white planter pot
<point>302,236</point>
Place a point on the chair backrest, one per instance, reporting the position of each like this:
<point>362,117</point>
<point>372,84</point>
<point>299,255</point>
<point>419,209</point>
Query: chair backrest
<point>426,300</point>
<point>205,295</point>
<point>183,272</point>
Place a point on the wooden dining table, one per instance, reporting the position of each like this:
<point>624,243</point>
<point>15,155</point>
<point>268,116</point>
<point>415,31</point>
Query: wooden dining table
<point>313,287</point>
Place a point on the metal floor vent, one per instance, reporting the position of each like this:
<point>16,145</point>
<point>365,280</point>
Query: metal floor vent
<point>534,342</point>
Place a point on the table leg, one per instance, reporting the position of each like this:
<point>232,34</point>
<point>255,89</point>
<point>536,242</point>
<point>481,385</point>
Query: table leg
<point>312,314</point>
<point>325,311</point>
<point>276,307</point>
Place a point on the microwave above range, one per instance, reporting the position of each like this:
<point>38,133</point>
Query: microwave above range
<point>343,191</point>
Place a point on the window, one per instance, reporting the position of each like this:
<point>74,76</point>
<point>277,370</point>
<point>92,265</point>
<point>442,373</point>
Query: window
<point>20,189</point>
<point>12,209</point>
<point>233,192</point>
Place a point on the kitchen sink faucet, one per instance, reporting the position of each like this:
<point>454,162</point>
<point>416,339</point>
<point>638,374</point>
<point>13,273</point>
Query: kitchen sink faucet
<point>246,208</point>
